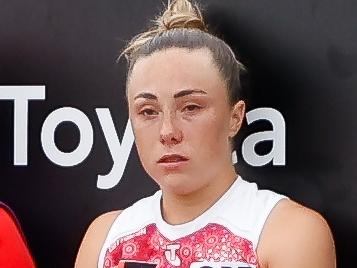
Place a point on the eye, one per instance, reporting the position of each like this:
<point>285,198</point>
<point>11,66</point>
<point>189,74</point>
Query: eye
<point>148,112</point>
<point>191,108</point>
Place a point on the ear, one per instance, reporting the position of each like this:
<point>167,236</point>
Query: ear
<point>237,116</point>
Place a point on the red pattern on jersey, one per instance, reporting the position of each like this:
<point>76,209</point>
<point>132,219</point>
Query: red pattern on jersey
<point>213,243</point>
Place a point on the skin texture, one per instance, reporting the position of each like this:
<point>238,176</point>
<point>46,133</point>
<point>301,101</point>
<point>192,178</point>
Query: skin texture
<point>295,236</point>
<point>197,125</point>
<point>178,104</point>
<point>93,240</point>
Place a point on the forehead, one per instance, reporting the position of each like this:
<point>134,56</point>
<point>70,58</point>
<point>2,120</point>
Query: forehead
<point>169,70</point>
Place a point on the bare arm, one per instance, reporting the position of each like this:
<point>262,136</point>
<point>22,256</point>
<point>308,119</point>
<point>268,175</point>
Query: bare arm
<point>296,237</point>
<point>93,240</point>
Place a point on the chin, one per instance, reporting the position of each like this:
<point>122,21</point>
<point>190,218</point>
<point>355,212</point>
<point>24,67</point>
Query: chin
<point>178,184</point>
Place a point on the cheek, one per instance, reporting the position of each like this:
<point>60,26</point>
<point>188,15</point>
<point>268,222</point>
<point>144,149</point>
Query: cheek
<point>209,133</point>
<point>145,140</point>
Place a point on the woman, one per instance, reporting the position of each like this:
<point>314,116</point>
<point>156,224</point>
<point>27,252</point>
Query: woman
<point>183,93</point>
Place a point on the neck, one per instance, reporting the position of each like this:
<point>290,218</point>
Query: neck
<point>179,209</point>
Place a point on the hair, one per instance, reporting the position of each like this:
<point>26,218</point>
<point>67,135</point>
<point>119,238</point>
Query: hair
<point>182,26</point>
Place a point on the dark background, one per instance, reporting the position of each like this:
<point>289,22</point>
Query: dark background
<point>302,61</point>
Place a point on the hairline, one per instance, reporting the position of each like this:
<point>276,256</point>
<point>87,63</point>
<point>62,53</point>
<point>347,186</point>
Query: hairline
<point>162,50</point>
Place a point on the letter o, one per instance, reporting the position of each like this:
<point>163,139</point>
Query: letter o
<point>77,117</point>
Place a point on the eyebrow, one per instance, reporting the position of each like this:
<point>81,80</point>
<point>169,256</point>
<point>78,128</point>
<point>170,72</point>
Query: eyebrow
<point>182,93</point>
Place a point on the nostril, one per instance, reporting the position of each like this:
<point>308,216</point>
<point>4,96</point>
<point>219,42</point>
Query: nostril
<point>171,138</point>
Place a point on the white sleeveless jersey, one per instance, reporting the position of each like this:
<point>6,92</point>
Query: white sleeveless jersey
<point>225,236</point>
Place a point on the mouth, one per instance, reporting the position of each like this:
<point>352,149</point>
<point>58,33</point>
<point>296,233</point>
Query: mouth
<point>172,158</point>
<point>171,162</point>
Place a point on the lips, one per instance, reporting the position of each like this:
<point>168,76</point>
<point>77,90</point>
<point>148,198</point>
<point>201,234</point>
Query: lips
<point>172,158</point>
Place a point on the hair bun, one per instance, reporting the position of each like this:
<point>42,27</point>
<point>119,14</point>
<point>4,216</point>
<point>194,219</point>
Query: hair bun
<point>181,14</point>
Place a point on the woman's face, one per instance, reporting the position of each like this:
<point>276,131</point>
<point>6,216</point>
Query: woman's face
<point>178,106</point>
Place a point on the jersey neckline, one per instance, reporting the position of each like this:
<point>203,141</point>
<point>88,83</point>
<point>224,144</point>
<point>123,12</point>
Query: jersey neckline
<point>173,232</point>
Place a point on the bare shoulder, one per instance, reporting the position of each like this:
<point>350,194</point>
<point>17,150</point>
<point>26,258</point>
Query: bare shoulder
<point>93,240</point>
<point>296,236</point>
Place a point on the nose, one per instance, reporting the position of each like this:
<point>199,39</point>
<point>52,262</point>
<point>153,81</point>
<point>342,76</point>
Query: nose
<point>170,134</point>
